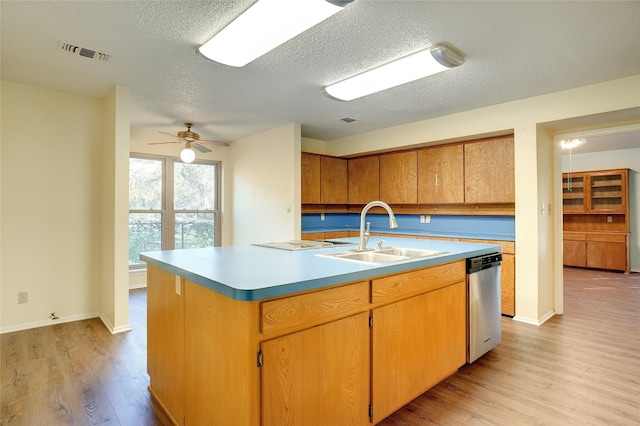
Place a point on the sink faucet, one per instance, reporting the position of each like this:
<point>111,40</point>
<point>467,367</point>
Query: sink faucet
<point>364,234</point>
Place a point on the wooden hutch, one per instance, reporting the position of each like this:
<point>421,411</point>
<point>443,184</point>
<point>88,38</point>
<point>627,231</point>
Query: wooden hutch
<point>595,206</point>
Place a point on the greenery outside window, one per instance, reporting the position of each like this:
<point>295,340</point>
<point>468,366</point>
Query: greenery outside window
<point>172,205</point>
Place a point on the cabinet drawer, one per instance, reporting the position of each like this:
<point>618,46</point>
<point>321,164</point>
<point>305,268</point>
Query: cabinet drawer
<point>310,309</point>
<point>607,238</point>
<point>570,236</point>
<point>398,287</point>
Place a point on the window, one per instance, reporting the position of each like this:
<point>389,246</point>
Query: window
<point>172,205</point>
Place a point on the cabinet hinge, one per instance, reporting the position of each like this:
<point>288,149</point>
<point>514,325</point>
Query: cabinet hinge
<point>371,412</point>
<point>370,322</point>
<point>260,359</point>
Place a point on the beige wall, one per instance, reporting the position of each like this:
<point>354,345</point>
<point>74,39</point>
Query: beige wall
<point>265,169</point>
<point>51,144</point>
<point>115,211</point>
<point>538,237</point>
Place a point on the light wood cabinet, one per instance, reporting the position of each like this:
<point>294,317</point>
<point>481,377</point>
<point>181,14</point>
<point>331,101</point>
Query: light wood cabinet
<point>608,191</point>
<point>607,251</point>
<point>574,249</point>
<point>595,250</point>
<point>601,191</point>
<point>573,192</point>
<point>416,343</point>
<point>310,178</point>
<point>489,171</point>
<point>318,376</point>
<point>447,336</point>
<point>596,219</point>
<point>323,179</point>
<point>363,179</point>
<point>469,178</point>
<point>441,175</point>
<point>165,341</point>
<point>333,180</point>
<point>327,356</point>
<point>327,235</point>
<point>398,177</point>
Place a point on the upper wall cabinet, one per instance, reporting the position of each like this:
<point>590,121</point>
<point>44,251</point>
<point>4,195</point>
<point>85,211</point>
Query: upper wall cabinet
<point>324,179</point>
<point>310,176</point>
<point>399,177</point>
<point>441,175</point>
<point>363,179</point>
<point>333,180</point>
<point>489,171</point>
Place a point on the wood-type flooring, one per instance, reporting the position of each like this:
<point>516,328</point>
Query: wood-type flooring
<point>581,368</point>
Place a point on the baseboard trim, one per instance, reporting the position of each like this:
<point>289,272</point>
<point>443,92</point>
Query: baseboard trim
<point>538,322</point>
<point>48,322</point>
<point>111,328</point>
<point>137,286</point>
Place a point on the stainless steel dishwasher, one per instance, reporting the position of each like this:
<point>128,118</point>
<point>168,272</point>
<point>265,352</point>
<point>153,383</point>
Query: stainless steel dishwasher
<point>484,328</point>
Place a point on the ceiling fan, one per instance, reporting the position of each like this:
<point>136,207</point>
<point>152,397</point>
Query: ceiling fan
<point>192,141</point>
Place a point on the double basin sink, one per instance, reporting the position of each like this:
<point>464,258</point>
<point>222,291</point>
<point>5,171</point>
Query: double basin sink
<point>384,255</point>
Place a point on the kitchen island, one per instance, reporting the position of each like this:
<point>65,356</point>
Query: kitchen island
<point>251,335</point>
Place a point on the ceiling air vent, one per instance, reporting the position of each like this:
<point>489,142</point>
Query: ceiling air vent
<point>83,51</point>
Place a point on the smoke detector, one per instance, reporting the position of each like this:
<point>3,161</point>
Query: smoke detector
<point>83,51</point>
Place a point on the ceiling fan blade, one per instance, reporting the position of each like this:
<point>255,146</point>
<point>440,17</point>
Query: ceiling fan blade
<point>200,147</point>
<point>167,133</point>
<point>161,143</point>
<point>218,143</point>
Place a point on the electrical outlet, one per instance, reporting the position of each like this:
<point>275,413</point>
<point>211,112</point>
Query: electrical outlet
<point>609,219</point>
<point>23,297</point>
<point>322,216</point>
<point>427,219</point>
<point>421,218</point>
<point>178,285</point>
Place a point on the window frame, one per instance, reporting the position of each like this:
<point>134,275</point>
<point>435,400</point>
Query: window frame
<point>167,210</point>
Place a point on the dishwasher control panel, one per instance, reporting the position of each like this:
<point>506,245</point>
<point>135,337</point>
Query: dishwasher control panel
<point>479,263</point>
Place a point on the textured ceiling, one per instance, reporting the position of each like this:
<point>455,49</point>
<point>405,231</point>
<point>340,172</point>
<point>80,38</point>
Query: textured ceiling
<point>513,50</point>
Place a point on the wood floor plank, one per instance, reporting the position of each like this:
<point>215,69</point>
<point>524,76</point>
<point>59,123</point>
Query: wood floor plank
<point>580,368</point>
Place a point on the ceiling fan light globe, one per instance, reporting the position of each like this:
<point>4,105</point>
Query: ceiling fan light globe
<point>187,155</point>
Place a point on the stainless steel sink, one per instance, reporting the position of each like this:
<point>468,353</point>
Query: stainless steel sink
<point>386,255</point>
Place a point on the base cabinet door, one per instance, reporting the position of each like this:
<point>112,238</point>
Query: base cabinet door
<point>447,349</point>
<point>399,349</point>
<point>574,253</point>
<point>318,376</point>
<point>606,255</point>
<point>416,343</point>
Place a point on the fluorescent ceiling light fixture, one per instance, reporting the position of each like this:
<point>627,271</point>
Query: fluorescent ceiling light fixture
<point>571,143</point>
<point>266,25</point>
<point>412,67</point>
